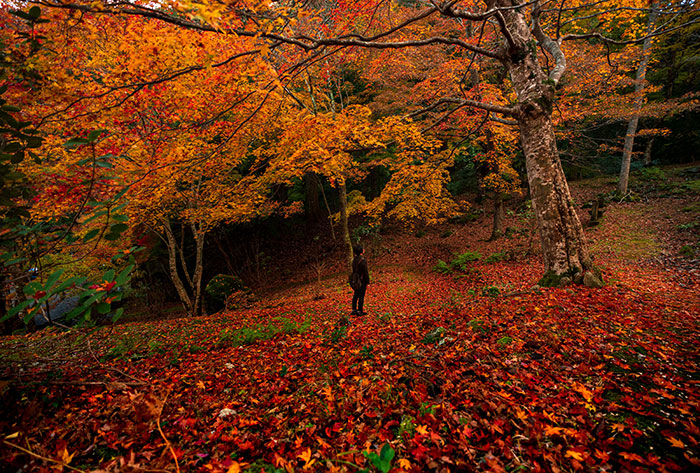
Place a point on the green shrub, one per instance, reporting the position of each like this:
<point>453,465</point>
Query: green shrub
<point>364,231</point>
<point>460,261</point>
<point>446,233</point>
<point>692,186</point>
<point>687,251</point>
<point>435,335</point>
<point>219,288</point>
<point>247,336</point>
<point>491,291</point>
<point>652,174</point>
<point>503,341</point>
<point>339,333</point>
<point>442,267</point>
<point>467,217</point>
<point>688,226</point>
<point>420,233</point>
<point>496,257</point>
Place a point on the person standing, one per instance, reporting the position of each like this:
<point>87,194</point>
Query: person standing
<point>359,266</point>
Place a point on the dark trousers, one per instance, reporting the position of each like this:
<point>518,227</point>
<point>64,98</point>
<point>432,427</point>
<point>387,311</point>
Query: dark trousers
<point>358,299</point>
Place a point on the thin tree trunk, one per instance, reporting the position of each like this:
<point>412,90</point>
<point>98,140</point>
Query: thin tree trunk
<point>328,209</point>
<point>647,152</point>
<point>497,217</point>
<point>342,189</point>
<point>224,253</point>
<point>638,102</point>
<point>183,261</point>
<point>171,245</point>
<point>199,235</point>
<point>564,246</point>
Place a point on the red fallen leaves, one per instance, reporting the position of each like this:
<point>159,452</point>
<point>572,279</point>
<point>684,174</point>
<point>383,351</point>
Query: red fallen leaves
<point>555,380</point>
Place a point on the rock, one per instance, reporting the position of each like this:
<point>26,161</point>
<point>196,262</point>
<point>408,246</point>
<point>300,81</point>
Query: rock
<point>565,281</point>
<point>223,413</point>
<point>229,366</point>
<point>58,308</point>
<point>590,279</point>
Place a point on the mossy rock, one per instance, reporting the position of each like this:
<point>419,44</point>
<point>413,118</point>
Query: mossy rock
<point>590,278</point>
<point>220,289</point>
<point>550,279</point>
<point>593,279</point>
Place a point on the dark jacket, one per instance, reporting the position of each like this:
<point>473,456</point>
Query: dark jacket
<point>359,265</point>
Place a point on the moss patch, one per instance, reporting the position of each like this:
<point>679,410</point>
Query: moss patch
<point>550,279</point>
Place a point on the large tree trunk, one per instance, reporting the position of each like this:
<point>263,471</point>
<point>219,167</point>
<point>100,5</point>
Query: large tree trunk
<point>638,102</point>
<point>564,246</point>
<point>342,190</point>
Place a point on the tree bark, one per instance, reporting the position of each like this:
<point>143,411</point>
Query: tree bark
<point>171,245</point>
<point>497,217</point>
<point>198,270</point>
<point>342,190</point>
<point>638,102</point>
<point>564,246</point>
<point>647,151</point>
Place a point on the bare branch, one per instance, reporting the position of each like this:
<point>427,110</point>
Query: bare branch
<point>550,45</point>
<point>509,111</point>
<point>304,42</point>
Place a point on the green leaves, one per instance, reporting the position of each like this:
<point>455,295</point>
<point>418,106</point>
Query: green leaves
<point>31,16</point>
<point>92,138</point>
<point>382,461</point>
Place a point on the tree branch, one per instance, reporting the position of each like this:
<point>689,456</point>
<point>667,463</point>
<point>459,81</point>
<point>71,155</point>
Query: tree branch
<point>551,46</point>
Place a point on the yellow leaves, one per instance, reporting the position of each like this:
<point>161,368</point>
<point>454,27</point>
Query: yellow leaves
<point>551,430</point>
<point>404,464</point>
<point>618,427</point>
<point>328,394</point>
<point>675,442</point>
<point>574,454</point>
<point>521,415</point>
<point>67,457</point>
<point>305,456</point>
<point>234,468</point>
<point>581,389</point>
<point>422,429</point>
<point>416,192</point>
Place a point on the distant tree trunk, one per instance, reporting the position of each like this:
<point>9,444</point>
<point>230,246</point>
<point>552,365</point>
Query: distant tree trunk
<point>313,208</point>
<point>647,152</point>
<point>564,246</point>
<point>497,217</point>
<point>638,102</point>
<point>342,190</point>
<point>224,253</point>
<point>328,210</point>
<point>199,235</point>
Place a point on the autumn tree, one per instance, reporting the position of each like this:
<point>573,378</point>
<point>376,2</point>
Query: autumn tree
<point>328,144</point>
<point>177,129</point>
<point>527,39</point>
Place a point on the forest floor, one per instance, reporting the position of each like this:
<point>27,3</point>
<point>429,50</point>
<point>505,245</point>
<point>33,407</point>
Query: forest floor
<point>477,370</point>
